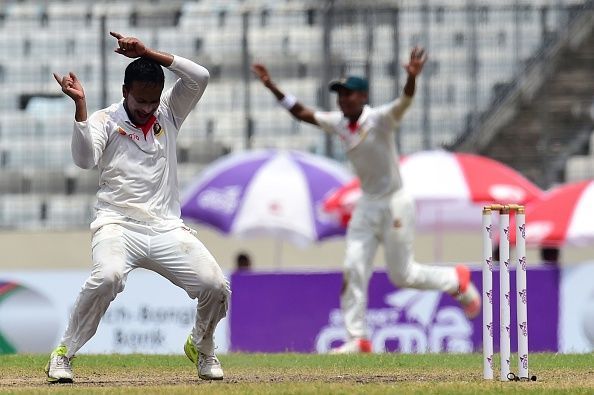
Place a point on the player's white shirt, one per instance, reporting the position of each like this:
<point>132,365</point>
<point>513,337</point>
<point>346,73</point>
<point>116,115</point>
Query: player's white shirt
<point>138,174</point>
<point>371,148</point>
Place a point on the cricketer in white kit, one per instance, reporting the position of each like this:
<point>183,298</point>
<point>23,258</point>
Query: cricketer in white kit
<point>137,223</point>
<point>385,213</point>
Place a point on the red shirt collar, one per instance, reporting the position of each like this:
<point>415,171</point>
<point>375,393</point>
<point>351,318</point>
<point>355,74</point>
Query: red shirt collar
<point>148,125</point>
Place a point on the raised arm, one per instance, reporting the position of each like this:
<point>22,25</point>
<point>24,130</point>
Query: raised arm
<point>289,102</point>
<point>413,68</point>
<point>72,87</point>
<point>132,47</point>
<point>189,88</point>
<point>85,149</point>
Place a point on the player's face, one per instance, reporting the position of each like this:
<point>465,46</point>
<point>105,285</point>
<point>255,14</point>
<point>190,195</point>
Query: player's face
<point>351,103</point>
<point>141,100</point>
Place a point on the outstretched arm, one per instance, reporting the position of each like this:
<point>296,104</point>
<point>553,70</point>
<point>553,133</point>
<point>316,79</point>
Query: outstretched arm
<point>297,109</point>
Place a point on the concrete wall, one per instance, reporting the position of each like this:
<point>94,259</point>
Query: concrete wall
<point>71,249</point>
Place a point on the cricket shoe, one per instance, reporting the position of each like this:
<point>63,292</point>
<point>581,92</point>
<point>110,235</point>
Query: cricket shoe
<point>354,346</point>
<point>58,368</point>
<point>467,294</point>
<point>209,367</point>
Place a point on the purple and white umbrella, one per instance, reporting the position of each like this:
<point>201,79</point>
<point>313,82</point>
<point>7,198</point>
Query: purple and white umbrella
<point>271,193</point>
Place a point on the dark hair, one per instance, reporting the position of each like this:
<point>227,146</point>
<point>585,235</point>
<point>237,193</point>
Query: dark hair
<point>144,70</point>
<point>243,261</point>
<point>549,254</point>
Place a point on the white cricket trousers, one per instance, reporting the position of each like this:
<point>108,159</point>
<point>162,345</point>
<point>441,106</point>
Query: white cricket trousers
<point>390,221</point>
<point>177,255</point>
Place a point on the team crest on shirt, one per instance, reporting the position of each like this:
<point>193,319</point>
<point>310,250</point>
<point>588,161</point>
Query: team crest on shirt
<point>157,129</point>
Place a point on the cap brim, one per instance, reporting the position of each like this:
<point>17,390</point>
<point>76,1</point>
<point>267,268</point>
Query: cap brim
<point>334,85</point>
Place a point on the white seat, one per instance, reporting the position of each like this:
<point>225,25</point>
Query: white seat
<point>186,173</point>
<point>42,152</point>
<point>178,41</point>
<point>23,17</point>
<point>297,142</point>
<point>66,212</point>
<point>205,16</point>
<point>74,14</point>
<point>10,98</point>
<point>18,125</point>
<point>579,168</point>
<point>21,211</point>
<point>86,181</point>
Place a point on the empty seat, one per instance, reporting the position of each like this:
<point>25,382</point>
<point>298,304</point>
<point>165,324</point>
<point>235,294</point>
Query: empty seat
<point>81,181</point>
<point>186,43</point>
<point>70,15</point>
<point>69,212</point>
<point>22,211</point>
<point>186,173</point>
<point>45,181</point>
<point>11,181</point>
<point>35,153</point>
<point>205,151</point>
<point>579,167</point>
<point>18,125</point>
<point>23,16</point>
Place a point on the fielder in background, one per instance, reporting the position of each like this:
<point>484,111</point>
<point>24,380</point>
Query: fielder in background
<point>385,212</point>
<point>137,222</point>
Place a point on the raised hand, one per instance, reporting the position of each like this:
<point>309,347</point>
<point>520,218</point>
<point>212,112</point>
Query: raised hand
<point>129,46</point>
<point>261,72</point>
<point>417,60</point>
<point>71,86</point>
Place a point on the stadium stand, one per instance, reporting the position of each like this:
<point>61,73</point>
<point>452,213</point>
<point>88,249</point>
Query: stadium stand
<point>543,118</point>
<point>478,52</point>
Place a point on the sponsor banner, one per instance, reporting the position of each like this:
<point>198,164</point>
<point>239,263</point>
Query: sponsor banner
<point>299,312</point>
<point>150,316</point>
<point>577,309</point>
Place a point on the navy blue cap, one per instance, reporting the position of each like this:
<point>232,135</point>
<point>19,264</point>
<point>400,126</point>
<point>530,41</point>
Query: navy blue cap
<point>351,82</point>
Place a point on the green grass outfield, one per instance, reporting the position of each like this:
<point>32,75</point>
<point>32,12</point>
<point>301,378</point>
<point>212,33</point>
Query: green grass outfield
<point>298,374</point>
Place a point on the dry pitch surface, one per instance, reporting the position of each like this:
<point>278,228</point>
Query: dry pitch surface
<point>297,373</point>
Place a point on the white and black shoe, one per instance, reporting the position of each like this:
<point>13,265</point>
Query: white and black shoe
<point>209,367</point>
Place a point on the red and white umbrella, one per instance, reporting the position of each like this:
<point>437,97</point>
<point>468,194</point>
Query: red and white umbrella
<point>449,189</point>
<point>565,216</point>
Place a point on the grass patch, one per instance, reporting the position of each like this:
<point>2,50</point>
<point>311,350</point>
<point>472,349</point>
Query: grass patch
<point>298,374</point>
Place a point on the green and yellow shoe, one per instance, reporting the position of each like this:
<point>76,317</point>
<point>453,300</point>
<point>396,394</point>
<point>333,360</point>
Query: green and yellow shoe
<point>58,368</point>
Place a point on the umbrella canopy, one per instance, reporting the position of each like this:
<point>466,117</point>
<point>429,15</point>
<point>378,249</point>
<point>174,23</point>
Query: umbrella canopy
<point>563,217</point>
<point>267,193</point>
<point>449,188</point>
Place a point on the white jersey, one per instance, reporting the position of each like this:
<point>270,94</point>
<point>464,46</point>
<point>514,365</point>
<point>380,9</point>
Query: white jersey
<point>138,170</point>
<point>370,147</point>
